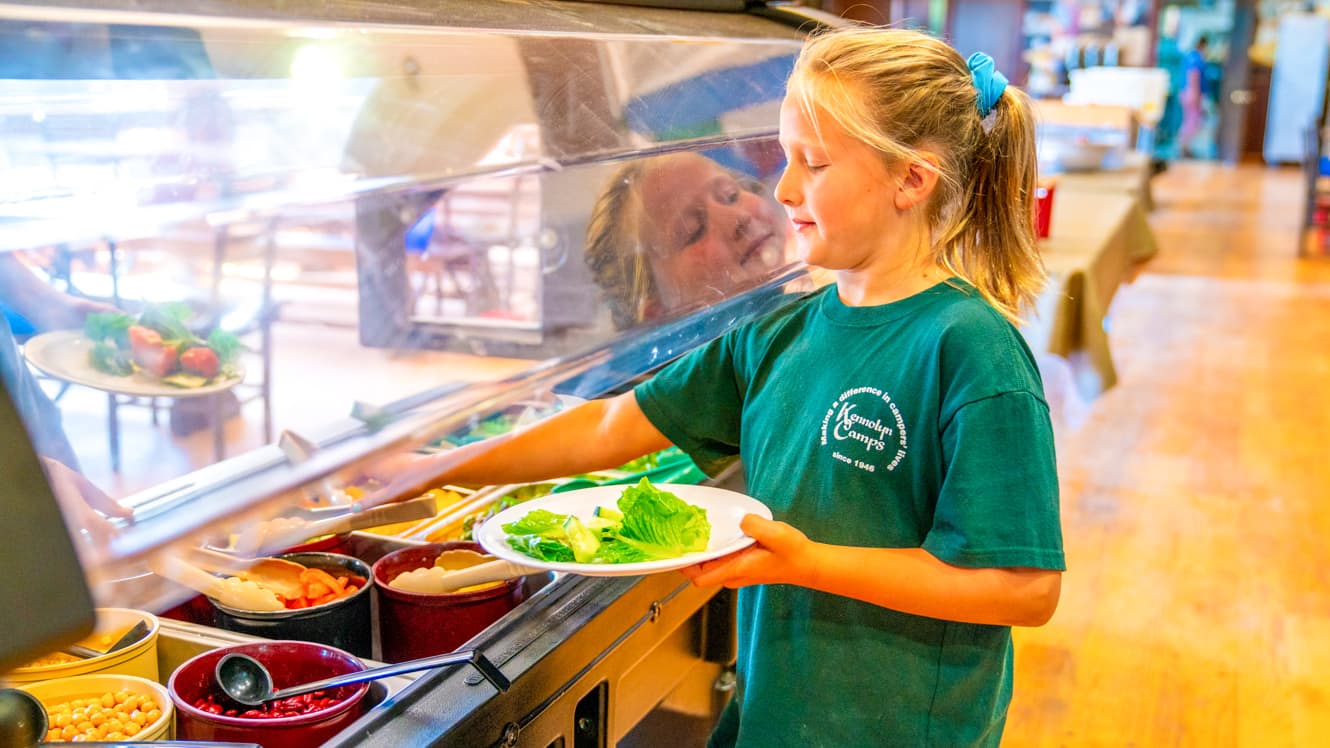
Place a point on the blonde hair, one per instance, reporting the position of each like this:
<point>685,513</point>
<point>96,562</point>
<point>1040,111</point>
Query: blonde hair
<point>614,251</point>
<point>901,92</point>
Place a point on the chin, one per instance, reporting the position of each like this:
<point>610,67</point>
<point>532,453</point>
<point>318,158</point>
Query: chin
<point>813,254</point>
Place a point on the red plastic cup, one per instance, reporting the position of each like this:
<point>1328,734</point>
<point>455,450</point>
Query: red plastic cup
<point>1043,210</point>
<point>414,625</point>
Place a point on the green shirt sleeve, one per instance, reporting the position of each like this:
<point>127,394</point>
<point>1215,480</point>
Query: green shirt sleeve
<point>696,402</point>
<point>998,505</point>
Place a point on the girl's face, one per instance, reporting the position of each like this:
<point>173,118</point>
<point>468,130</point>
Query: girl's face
<point>708,235</point>
<point>839,194</point>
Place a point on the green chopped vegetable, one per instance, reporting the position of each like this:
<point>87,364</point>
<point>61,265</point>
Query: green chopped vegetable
<point>649,525</point>
<point>108,326</point>
<point>661,524</point>
<point>226,345</point>
<point>542,548</point>
<point>169,321</point>
<point>107,358</point>
<point>538,522</point>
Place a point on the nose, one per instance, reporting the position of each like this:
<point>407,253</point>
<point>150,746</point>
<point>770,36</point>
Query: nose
<point>743,224</point>
<point>785,189</point>
<point>733,223</point>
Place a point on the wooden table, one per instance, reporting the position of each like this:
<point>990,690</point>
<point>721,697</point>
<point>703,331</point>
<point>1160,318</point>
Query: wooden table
<point>1097,242</point>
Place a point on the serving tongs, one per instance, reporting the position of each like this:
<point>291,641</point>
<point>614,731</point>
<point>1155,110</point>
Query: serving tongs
<point>279,575</point>
<point>246,596</point>
<point>466,568</point>
<point>277,535</point>
<point>132,635</point>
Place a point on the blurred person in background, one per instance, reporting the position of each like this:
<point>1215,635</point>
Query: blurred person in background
<point>85,506</point>
<point>1192,98</point>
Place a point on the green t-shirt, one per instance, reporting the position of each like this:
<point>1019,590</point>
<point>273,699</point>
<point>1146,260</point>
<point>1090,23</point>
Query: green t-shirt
<point>920,423</point>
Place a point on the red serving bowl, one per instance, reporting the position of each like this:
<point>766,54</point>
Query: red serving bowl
<point>291,663</point>
<point>414,624</point>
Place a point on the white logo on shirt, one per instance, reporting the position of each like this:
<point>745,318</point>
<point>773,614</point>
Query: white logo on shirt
<point>867,429</point>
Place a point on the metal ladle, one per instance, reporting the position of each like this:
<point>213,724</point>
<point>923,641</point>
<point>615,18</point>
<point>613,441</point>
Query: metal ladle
<point>23,721</point>
<point>246,681</point>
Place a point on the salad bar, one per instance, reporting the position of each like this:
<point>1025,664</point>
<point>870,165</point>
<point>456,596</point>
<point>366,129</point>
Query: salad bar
<point>399,222</point>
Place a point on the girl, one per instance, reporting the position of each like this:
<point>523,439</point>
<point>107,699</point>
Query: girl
<point>894,421</point>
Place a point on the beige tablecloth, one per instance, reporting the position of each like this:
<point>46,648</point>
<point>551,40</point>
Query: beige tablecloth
<point>1097,242</point>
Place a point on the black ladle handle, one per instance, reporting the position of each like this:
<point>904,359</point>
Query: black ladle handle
<point>473,656</point>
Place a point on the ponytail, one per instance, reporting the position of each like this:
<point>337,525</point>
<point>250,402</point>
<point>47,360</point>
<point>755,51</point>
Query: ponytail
<point>902,91</point>
<point>991,242</point>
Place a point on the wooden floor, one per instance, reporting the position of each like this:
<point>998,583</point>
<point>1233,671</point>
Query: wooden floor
<point>1196,496</point>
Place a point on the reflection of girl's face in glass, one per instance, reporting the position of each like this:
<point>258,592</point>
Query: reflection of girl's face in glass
<point>707,234</point>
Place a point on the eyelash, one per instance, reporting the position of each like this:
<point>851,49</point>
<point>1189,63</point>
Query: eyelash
<point>699,232</point>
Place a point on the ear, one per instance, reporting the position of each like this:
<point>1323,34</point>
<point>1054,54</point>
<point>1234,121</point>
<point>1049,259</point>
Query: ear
<point>917,180</point>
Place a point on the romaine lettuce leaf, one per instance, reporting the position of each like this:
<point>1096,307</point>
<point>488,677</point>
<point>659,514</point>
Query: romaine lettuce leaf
<point>538,522</point>
<point>660,524</point>
<point>649,525</point>
<point>541,548</point>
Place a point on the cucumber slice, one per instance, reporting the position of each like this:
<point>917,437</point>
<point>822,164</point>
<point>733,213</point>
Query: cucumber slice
<point>584,542</point>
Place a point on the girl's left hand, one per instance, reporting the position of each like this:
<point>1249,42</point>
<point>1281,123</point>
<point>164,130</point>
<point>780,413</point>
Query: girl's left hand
<point>782,555</point>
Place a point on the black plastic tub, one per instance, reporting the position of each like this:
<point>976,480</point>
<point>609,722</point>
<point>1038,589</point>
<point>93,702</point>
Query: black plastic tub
<point>346,623</point>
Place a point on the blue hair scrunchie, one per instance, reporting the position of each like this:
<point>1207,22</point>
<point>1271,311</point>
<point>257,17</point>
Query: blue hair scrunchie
<point>987,80</point>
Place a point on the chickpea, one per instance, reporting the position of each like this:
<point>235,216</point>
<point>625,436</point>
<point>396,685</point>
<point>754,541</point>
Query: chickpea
<point>115,715</point>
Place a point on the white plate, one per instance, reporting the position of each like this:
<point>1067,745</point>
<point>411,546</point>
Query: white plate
<point>64,355</point>
<point>724,510</point>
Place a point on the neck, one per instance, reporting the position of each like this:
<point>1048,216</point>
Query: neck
<point>894,274</point>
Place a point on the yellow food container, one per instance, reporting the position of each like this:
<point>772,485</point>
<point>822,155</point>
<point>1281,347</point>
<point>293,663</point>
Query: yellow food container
<point>444,499</point>
<point>53,693</point>
<point>138,659</point>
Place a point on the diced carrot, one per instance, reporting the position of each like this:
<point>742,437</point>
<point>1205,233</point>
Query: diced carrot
<point>317,575</point>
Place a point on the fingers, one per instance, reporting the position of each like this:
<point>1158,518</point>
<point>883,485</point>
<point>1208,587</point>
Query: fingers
<point>726,570</point>
<point>778,536</point>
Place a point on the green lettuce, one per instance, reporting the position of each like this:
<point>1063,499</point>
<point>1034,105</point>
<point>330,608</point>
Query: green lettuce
<point>649,525</point>
<point>661,524</point>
